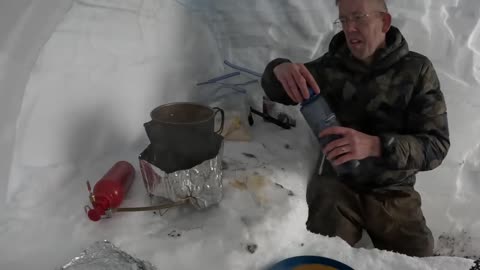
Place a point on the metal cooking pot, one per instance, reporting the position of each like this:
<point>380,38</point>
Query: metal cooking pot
<point>186,116</point>
<point>185,131</point>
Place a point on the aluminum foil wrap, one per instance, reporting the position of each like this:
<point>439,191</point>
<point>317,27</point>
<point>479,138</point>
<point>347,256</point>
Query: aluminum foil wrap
<point>103,255</point>
<point>201,185</point>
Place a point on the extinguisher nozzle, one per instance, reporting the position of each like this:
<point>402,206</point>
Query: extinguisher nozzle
<point>94,215</point>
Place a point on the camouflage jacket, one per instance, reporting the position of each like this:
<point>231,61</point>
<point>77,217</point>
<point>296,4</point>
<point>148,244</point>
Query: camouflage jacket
<point>397,98</point>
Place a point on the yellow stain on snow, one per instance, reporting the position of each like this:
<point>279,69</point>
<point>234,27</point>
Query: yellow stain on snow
<point>256,184</point>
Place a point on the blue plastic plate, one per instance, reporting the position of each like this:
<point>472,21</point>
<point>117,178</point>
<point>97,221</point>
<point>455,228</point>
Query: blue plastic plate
<point>294,262</point>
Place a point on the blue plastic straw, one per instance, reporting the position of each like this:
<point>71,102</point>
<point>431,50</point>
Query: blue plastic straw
<point>217,79</point>
<point>246,83</point>
<point>242,69</point>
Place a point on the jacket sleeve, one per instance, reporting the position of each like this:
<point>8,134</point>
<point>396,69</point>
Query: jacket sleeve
<point>425,142</point>
<point>274,89</point>
<point>272,86</point>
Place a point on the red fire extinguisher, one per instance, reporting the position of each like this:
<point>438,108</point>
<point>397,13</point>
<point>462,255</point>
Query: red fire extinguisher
<point>109,192</point>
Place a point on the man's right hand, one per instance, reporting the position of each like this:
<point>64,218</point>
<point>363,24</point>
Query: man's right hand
<point>295,79</point>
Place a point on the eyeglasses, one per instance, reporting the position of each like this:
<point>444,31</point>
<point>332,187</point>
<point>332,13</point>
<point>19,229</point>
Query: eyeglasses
<point>357,18</point>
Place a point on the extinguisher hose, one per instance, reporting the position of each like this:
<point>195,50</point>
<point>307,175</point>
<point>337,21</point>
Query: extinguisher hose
<point>148,208</point>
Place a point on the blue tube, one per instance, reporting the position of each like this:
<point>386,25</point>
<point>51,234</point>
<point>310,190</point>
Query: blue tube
<point>242,69</point>
<point>246,83</point>
<point>217,79</point>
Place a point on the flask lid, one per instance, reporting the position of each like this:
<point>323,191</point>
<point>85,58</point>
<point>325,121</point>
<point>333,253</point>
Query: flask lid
<point>312,97</point>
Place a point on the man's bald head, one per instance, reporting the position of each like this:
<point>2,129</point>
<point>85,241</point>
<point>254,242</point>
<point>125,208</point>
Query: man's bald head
<point>379,3</point>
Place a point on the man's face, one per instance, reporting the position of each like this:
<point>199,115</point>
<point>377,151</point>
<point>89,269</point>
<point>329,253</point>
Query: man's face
<point>365,25</point>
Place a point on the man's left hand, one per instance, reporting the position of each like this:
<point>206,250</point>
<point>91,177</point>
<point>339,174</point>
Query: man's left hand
<point>353,145</point>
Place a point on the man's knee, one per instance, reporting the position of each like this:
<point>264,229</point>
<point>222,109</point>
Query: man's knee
<point>331,217</point>
<point>424,249</point>
<point>322,199</point>
<point>320,216</point>
<point>324,188</point>
<point>416,246</point>
<point>420,243</point>
<point>395,222</point>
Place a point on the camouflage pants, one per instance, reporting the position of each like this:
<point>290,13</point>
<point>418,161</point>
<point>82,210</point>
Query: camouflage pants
<point>393,219</point>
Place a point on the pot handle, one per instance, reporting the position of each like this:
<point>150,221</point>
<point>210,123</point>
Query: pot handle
<point>222,113</point>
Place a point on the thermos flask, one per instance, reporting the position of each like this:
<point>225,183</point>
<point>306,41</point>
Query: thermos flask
<point>319,116</point>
